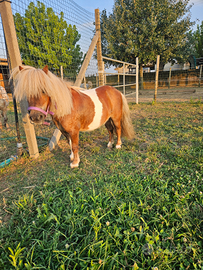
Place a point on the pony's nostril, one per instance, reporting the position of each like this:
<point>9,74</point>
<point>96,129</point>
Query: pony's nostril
<point>39,117</point>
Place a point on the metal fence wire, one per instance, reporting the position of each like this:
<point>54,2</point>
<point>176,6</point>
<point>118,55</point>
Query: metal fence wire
<point>35,53</point>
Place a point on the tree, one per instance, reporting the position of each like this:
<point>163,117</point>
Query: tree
<point>198,37</point>
<point>145,29</point>
<point>45,38</point>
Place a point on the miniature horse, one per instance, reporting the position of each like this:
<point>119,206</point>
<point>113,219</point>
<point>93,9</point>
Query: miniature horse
<point>72,110</point>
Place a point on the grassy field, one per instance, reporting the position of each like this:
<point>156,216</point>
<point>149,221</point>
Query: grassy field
<point>140,207</point>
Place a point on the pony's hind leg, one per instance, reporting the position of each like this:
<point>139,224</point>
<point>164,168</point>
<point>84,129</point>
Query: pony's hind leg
<point>117,124</point>
<point>110,127</point>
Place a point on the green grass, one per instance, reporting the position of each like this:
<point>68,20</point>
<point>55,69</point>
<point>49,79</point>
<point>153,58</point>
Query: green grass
<point>140,207</point>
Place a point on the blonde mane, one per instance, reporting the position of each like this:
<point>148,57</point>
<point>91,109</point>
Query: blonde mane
<point>31,82</point>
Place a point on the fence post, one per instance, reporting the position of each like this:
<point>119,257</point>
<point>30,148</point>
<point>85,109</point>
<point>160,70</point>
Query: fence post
<point>137,76</point>
<point>124,79</point>
<point>157,77</point>
<point>200,75</point>
<point>104,73</point>
<point>99,49</point>
<point>61,71</point>
<point>15,60</point>
<point>87,60</point>
<point>169,79</point>
<point>85,84</point>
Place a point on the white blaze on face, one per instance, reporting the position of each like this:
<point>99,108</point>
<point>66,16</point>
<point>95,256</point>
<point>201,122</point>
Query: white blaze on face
<point>98,108</point>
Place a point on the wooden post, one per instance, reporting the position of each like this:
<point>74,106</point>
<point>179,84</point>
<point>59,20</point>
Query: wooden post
<point>85,85</point>
<point>169,79</point>
<point>104,73</point>
<point>137,76</point>
<point>61,71</point>
<point>99,48</point>
<point>124,79</point>
<point>157,77</point>
<point>200,75</point>
<point>87,60</point>
<point>15,60</point>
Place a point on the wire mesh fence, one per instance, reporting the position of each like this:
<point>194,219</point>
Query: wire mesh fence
<point>53,33</point>
<point>175,81</point>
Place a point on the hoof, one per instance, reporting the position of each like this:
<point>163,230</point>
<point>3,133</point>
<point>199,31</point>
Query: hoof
<point>110,145</point>
<point>118,146</point>
<point>72,165</point>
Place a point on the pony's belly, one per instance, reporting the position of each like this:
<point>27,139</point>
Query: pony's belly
<point>98,110</point>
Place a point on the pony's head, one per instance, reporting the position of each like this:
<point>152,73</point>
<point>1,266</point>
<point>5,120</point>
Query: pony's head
<point>38,105</point>
<point>44,92</point>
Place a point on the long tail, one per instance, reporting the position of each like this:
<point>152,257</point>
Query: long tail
<point>126,123</point>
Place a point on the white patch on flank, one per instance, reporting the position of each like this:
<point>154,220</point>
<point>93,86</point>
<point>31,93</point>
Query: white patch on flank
<point>98,108</point>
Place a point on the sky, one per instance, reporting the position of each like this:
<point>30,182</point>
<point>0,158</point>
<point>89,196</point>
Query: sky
<point>91,5</point>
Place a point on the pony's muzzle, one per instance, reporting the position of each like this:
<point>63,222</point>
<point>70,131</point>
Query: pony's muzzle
<point>36,117</point>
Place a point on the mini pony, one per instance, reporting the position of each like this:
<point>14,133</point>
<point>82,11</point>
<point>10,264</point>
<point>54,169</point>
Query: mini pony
<point>72,110</point>
<point>4,102</point>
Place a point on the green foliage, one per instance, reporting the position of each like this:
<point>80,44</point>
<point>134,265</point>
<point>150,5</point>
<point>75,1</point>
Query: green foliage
<point>15,257</point>
<point>45,38</point>
<point>146,29</point>
<point>198,37</point>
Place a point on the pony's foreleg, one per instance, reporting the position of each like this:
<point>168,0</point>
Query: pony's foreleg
<point>69,138</point>
<point>74,150</point>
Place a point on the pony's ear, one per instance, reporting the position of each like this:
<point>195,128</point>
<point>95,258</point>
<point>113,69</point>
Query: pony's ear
<point>20,68</point>
<point>45,69</point>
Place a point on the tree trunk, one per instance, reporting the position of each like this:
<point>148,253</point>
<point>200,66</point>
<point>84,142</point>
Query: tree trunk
<point>161,66</point>
<point>141,77</point>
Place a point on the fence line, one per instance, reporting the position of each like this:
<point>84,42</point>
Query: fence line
<point>167,79</point>
<point>124,85</point>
